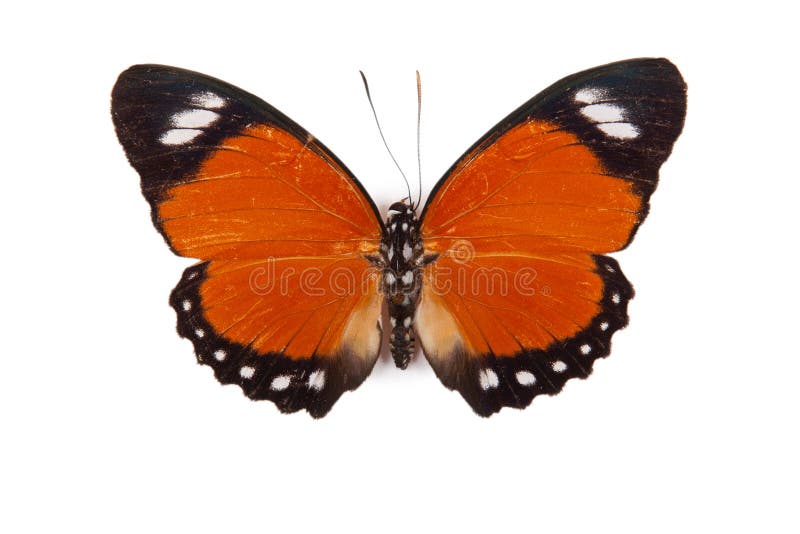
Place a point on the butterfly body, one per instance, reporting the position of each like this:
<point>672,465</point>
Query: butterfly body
<point>402,262</point>
<point>503,278</point>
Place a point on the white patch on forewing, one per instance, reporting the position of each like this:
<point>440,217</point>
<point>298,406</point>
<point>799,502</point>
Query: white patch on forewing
<point>316,380</point>
<point>220,355</point>
<point>208,100</point>
<point>488,379</point>
<point>620,130</point>
<point>186,125</point>
<point>589,95</point>
<point>559,366</point>
<point>194,118</point>
<point>179,136</point>
<point>281,382</point>
<point>603,112</point>
<point>609,118</point>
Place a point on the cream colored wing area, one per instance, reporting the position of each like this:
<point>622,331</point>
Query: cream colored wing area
<point>361,335</point>
<point>437,329</point>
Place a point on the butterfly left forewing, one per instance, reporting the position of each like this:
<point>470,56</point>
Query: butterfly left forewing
<point>522,294</point>
<point>284,302</point>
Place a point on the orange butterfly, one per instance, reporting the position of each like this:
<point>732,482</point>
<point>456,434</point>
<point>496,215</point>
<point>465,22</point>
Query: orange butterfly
<point>502,277</point>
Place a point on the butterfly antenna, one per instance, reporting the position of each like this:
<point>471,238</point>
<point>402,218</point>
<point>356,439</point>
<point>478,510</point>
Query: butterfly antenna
<point>374,114</point>
<point>419,157</point>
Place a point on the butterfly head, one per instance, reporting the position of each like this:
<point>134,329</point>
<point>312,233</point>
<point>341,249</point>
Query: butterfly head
<point>401,208</point>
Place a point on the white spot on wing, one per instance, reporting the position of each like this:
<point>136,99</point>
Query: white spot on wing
<point>619,130</point>
<point>525,378</point>
<point>316,380</point>
<point>586,349</point>
<point>604,326</point>
<point>488,379</point>
<point>281,382</point>
<point>208,100</point>
<point>603,112</point>
<point>615,298</point>
<point>247,372</point>
<point>179,136</point>
<point>200,332</point>
<point>559,366</point>
<point>194,118</point>
<point>187,305</point>
<point>589,95</point>
<point>220,355</point>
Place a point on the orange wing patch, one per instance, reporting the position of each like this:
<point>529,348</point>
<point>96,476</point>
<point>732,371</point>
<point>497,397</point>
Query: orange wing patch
<point>535,188</point>
<point>263,194</point>
<point>298,307</point>
<point>533,207</point>
<point>505,303</point>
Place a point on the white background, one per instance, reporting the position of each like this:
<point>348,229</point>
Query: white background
<point>108,425</point>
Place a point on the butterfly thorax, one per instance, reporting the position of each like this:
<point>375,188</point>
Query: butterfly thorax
<point>402,261</point>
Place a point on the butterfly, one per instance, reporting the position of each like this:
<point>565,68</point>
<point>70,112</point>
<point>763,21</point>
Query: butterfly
<point>503,276</point>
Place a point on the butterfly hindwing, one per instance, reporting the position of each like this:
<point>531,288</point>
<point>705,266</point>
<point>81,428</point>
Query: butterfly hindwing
<point>284,302</point>
<point>311,378</point>
<point>521,224</point>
